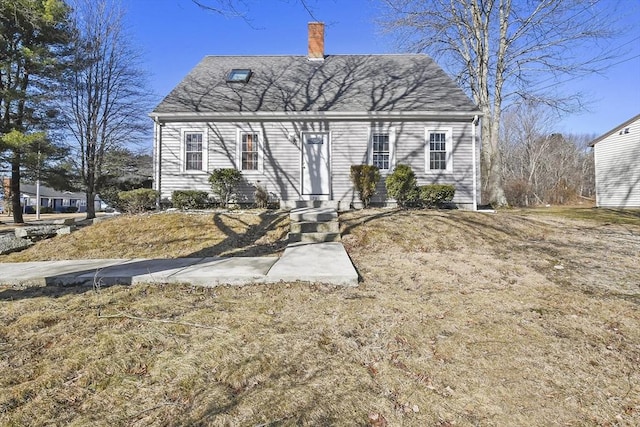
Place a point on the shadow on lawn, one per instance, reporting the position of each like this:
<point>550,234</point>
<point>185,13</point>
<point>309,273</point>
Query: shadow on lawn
<point>87,274</point>
<point>364,217</point>
<point>247,244</point>
<point>48,291</point>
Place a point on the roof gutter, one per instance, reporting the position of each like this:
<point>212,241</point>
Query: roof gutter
<point>313,115</point>
<point>474,124</point>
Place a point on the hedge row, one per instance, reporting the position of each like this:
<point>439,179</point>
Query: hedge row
<point>190,199</point>
<point>401,185</point>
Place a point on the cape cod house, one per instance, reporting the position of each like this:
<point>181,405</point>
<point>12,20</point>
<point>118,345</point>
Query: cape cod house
<point>617,165</point>
<point>296,124</point>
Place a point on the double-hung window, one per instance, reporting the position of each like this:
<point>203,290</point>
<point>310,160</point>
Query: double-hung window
<point>438,150</point>
<point>249,148</point>
<point>381,146</point>
<point>193,151</point>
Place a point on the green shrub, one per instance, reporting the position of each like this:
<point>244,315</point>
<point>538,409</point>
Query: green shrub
<point>190,199</point>
<point>402,185</point>
<point>436,194</point>
<point>365,178</point>
<point>46,209</point>
<point>224,184</point>
<point>71,209</point>
<point>139,200</point>
<point>261,197</point>
<point>111,196</point>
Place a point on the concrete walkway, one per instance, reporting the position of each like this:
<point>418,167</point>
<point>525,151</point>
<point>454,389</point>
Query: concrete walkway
<point>317,263</point>
<point>325,262</point>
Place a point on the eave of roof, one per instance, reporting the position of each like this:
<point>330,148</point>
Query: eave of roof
<point>614,130</point>
<point>314,115</point>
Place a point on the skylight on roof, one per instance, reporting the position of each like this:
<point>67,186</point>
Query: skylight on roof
<point>239,75</point>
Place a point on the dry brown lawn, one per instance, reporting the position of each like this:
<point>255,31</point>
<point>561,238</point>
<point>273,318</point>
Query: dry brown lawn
<point>168,235</point>
<point>517,318</point>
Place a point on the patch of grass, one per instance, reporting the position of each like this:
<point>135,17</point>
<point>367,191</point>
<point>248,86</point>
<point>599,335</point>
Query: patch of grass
<point>168,235</point>
<point>461,319</point>
<point>598,215</point>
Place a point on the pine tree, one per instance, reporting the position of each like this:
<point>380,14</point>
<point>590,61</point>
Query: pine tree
<point>34,35</point>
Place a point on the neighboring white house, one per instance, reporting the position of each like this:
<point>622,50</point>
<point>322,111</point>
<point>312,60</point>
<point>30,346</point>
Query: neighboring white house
<point>617,165</point>
<point>296,124</point>
<point>58,201</point>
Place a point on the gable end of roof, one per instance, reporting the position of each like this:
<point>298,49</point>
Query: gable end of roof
<point>614,130</point>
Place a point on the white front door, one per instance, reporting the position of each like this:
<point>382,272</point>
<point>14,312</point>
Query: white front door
<point>315,164</point>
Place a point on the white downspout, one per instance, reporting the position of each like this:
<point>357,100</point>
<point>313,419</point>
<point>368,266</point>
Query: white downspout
<point>474,123</point>
<point>158,161</point>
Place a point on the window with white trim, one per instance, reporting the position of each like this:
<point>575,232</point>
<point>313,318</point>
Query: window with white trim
<point>250,151</point>
<point>381,146</point>
<point>193,151</point>
<point>438,149</point>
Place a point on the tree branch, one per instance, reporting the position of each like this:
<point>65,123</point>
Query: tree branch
<point>146,319</point>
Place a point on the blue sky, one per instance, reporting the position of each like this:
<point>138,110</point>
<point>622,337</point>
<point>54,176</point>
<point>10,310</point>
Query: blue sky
<point>174,35</point>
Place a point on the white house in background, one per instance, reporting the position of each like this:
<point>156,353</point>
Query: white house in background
<point>59,201</point>
<point>295,124</point>
<point>617,165</point>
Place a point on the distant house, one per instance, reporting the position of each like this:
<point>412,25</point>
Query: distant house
<point>58,201</point>
<point>296,124</point>
<point>617,165</point>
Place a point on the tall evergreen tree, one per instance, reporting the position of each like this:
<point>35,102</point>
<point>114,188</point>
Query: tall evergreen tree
<point>33,37</point>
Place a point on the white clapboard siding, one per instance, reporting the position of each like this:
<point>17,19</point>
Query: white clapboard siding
<point>617,166</point>
<point>349,145</point>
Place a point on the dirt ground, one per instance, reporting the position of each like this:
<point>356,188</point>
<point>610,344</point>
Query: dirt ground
<point>460,319</point>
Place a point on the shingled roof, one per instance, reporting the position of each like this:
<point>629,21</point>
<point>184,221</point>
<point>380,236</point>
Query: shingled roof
<point>339,83</point>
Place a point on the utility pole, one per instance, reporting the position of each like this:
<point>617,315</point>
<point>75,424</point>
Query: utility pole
<point>38,187</point>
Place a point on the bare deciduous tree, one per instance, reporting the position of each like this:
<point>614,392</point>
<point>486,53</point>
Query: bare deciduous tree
<point>540,166</point>
<point>107,95</point>
<point>240,8</point>
<point>499,50</point>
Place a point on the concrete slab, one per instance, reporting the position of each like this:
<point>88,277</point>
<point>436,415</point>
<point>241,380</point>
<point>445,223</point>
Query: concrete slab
<point>316,262</point>
<point>231,271</point>
<point>51,272</point>
<point>313,215</point>
<point>137,271</point>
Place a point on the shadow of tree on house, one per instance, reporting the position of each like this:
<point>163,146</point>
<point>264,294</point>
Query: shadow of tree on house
<point>282,90</point>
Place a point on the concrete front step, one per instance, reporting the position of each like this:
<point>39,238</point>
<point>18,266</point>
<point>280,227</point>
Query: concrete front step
<point>297,204</point>
<point>314,237</point>
<point>315,227</point>
<point>313,215</point>
<point>318,263</point>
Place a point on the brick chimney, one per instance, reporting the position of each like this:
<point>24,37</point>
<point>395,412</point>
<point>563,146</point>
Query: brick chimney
<point>316,41</point>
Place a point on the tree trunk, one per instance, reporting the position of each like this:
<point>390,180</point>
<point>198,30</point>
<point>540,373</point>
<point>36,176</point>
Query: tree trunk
<point>90,182</point>
<point>91,207</point>
<point>15,189</point>
<point>493,192</point>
